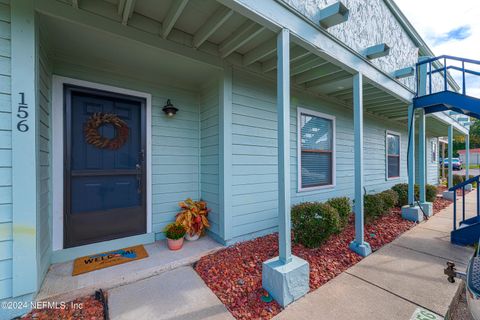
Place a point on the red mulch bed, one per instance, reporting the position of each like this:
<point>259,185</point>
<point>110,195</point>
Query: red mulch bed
<point>234,274</point>
<point>91,309</point>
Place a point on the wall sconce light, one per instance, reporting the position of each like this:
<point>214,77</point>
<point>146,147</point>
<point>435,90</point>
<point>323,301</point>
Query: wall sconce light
<point>169,109</point>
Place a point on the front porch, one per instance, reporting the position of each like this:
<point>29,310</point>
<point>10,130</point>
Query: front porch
<point>60,285</point>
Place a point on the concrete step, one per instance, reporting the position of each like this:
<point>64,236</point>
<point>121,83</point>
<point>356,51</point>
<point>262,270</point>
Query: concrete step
<point>60,285</point>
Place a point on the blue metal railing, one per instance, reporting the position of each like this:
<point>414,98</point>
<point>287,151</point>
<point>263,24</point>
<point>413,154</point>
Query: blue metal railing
<point>462,186</point>
<point>434,66</point>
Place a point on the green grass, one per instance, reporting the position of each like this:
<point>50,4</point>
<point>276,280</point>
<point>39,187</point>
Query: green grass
<point>475,166</point>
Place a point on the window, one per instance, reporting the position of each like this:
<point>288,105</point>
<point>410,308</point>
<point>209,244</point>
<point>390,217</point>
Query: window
<point>434,151</point>
<point>316,150</point>
<point>393,155</point>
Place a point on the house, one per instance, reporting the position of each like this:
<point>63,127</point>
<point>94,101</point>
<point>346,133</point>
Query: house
<point>474,155</point>
<point>276,102</point>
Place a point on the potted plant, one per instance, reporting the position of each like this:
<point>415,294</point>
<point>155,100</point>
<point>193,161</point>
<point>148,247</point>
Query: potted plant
<point>193,216</point>
<point>175,233</point>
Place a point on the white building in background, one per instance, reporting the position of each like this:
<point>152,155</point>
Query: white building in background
<point>474,156</point>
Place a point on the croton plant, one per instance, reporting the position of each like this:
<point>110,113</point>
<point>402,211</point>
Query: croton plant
<point>193,216</point>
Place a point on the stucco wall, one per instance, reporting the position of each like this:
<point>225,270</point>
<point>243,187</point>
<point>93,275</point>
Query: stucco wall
<point>370,23</point>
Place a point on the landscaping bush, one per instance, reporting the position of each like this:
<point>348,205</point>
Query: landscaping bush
<point>402,192</point>
<point>430,193</point>
<point>458,179</point>
<point>313,223</point>
<point>390,199</point>
<point>376,205</point>
<point>344,209</point>
<point>373,206</point>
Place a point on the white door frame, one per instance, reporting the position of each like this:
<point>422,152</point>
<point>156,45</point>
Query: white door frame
<point>57,168</point>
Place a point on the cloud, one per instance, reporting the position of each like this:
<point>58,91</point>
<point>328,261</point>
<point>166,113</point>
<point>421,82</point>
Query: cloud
<point>460,33</point>
<point>449,28</point>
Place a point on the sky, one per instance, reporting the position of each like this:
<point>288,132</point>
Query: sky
<point>450,27</point>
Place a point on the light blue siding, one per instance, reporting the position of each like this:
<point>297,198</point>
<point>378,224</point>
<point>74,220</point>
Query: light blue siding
<point>209,153</point>
<point>44,204</point>
<point>432,167</point>
<point>175,141</point>
<point>5,155</point>
<point>255,153</point>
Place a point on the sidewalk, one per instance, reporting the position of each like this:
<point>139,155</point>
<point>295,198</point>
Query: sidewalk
<point>394,281</point>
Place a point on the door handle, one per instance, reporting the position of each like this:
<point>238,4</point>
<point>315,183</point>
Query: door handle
<point>138,167</point>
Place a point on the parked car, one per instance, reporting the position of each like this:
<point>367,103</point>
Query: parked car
<point>456,163</point>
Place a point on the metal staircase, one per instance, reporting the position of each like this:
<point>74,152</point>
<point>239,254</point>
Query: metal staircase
<point>442,98</point>
<point>437,96</point>
<point>468,230</point>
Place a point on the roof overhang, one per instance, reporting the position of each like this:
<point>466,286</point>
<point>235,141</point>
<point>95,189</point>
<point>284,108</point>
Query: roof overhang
<point>276,15</point>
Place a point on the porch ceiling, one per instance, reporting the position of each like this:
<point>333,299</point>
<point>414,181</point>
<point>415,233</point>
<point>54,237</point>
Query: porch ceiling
<point>207,31</point>
<point>100,51</point>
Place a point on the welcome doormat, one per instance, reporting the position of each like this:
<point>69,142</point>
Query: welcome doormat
<point>108,259</point>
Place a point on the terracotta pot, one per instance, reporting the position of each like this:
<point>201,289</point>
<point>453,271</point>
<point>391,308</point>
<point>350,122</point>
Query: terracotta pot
<point>175,244</point>
<point>192,238</point>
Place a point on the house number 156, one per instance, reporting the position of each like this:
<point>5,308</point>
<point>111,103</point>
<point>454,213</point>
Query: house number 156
<point>22,114</point>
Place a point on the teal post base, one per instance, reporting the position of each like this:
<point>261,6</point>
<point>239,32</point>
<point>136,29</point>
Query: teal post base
<point>448,195</point>
<point>362,249</point>
<point>286,282</point>
<point>412,213</point>
<point>468,187</point>
<point>427,208</point>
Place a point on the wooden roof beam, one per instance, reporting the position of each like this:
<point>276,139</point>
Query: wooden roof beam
<point>260,52</point>
<point>316,73</point>
<point>241,36</point>
<point>215,21</point>
<point>296,53</point>
<point>128,8</point>
<point>172,16</point>
<point>305,64</point>
<point>337,76</point>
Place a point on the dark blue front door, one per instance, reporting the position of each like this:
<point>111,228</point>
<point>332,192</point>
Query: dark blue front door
<point>104,184</point>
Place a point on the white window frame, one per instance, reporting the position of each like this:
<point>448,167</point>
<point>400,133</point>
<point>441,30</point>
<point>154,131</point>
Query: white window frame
<point>432,143</point>
<point>387,132</point>
<point>299,149</point>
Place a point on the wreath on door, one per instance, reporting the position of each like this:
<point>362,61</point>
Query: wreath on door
<point>93,136</point>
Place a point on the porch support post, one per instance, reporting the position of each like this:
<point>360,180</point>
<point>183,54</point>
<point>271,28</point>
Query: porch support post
<point>443,160</point>
<point>427,207</point>
<point>450,156</point>
<point>411,211</point>
<point>225,125</point>
<point>24,157</point>
<point>467,161</point>
<point>286,277</point>
<point>449,195</point>
<point>359,245</point>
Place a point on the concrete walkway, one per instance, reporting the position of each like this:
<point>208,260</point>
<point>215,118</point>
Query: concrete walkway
<point>60,285</point>
<point>395,281</point>
<point>178,294</point>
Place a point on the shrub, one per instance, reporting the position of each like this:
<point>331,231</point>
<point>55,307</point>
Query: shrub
<point>390,199</point>
<point>374,206</point>
<point>174,231</point>
<point>458,179</point>
<point>402,192</point>
<point>344,209</point>
<point>313,223</point>
<point>430,193</point>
